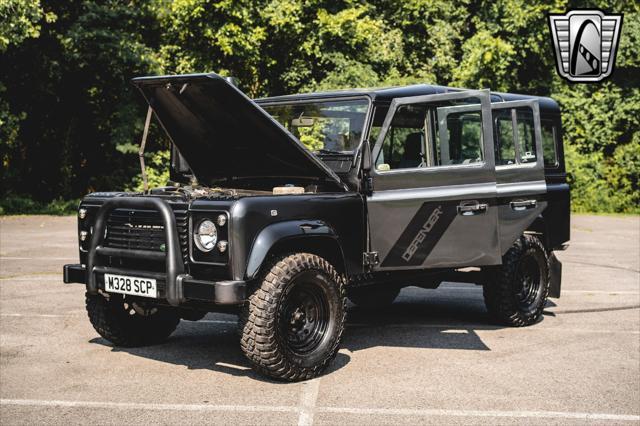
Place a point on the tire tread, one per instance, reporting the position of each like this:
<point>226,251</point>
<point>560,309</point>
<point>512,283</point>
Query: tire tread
<point>257,321</point>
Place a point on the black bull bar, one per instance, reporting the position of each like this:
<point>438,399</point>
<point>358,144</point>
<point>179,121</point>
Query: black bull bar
<point>179,286</point>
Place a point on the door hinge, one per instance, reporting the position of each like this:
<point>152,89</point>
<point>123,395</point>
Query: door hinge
<point>367,184</point>
<point>370,258</point>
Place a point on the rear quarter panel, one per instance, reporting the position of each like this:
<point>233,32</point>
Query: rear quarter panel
<point>557,215</point>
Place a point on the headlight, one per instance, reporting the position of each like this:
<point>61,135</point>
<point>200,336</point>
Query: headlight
<point>205,235</point>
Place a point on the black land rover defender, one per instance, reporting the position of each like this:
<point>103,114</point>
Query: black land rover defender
<point>401,186</point>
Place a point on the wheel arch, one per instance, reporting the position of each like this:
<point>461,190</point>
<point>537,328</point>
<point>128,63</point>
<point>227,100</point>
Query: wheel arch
<point>308,236</point>
<point>539,227</point>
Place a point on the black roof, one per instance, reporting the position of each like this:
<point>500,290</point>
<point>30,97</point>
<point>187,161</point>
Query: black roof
<point>387,94</point>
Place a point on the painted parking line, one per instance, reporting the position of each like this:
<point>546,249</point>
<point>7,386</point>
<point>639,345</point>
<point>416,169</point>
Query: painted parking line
<point>146,406</point>
<point>70,259</point>
<point>308,399</point>
<point>425,412</point>
<point>35,277</point>
<point>480,413</point>
<point>476,288</point>
<point>38,315</point>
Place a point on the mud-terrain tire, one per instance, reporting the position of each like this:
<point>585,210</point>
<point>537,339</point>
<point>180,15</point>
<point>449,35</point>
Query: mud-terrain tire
<point>516,292</point>
<point>113,320</point>
<point>293,322</point>
<point>374,296</point>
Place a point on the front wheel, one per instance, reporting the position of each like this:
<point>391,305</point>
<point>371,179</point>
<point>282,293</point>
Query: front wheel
<point>516,292</point>
<point>293,323</point>
<point>130,322</point>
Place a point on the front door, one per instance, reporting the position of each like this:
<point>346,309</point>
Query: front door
<point>433,202</point>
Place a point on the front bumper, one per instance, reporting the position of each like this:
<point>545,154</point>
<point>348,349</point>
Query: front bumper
<point>179,287</point>
<point>218,292</point>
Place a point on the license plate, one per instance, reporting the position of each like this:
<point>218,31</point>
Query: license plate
<point>135,286</point>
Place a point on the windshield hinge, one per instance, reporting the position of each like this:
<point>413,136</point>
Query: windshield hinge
<point>370,258</point>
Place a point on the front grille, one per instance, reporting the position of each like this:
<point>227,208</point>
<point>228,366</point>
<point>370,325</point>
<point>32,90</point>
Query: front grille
<point>144,230</point>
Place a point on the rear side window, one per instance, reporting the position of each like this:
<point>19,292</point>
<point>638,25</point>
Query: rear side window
<point>526,135</point>
<point>464,133</point>
<point>514,136</point>
<point>549,137</point>
<point>505,151</point>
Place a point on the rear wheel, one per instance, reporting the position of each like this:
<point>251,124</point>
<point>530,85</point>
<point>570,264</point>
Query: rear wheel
<point>374,296</point>
<point>516,292</point>
<point>293,323</point>
<point>130,322</point>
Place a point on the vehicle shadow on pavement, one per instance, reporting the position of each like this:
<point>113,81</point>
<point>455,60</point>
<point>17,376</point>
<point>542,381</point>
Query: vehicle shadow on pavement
<point>424,319</point>
<point>202,345</point>
<point>429,321</point>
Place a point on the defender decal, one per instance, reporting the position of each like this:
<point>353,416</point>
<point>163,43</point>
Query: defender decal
<point>421,235</point>
<point>426,228</point>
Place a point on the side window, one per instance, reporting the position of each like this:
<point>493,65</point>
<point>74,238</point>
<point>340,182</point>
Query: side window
<point>403,146</point>
<point>433,134</point>
<point>379,114</point>
<point>514,136</point>
<point>464,136</point>
<point>549,143</point>
<point>503,136</point>
<point>526,135</point>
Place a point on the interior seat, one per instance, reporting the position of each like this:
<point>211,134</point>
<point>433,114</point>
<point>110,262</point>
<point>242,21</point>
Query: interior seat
<point>412,156</point>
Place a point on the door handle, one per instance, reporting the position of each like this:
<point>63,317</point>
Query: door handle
<point>523,205</point>
<point>472,209</point>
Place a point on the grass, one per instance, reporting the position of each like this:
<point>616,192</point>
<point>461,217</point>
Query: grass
<point>12,205</point>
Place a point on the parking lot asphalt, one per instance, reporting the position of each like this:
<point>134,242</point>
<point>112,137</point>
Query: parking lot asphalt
<point>433,357</point>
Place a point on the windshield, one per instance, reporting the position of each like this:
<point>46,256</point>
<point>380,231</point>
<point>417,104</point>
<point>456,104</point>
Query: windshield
<point>325,127</point>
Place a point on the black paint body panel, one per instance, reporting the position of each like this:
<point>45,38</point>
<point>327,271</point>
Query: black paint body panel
<point>342,212</point>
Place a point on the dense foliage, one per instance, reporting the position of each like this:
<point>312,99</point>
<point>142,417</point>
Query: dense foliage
<point>70,121</point>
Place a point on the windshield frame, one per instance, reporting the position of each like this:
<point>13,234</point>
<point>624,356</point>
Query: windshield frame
<point>267,102</point>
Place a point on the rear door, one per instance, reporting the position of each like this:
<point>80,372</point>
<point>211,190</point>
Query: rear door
<point>519,167</point>
<point>433,202</point>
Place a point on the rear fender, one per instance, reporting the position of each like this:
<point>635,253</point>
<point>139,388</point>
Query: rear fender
<point>309,236</point>
<point>539,227</point>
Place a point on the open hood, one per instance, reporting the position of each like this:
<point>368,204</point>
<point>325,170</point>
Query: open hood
<point>225,135</point>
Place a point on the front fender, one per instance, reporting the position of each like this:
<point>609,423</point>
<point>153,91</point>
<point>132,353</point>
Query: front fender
<point>272,234</point>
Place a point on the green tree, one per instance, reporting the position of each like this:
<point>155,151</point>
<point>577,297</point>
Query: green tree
<point>68,84</point>
<point>70,121</point>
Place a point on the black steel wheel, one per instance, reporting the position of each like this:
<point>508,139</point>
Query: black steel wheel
<point>516,292</point>
<point>293,323</point>
<point>528,283</point>
<point>304,318</point>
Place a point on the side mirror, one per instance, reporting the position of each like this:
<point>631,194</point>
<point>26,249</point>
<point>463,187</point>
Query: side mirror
<point>366,156</point>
